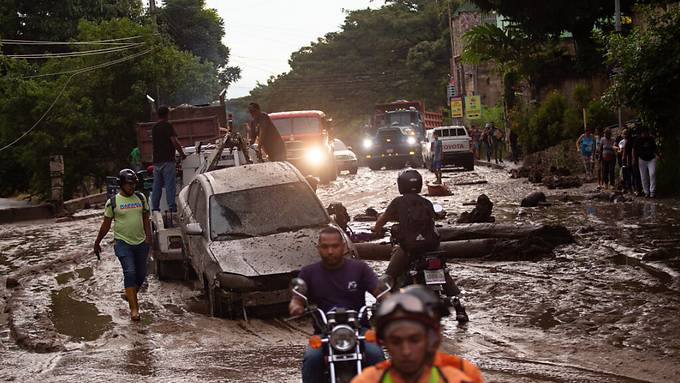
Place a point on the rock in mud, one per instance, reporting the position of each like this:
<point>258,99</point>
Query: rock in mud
<point>660,255</point>
<point>533,199</point>
<point>369,215</point>
<point>525,249</point>
<point>480,214</point>
<point>438,190</point>
<point>562,182</point>
<point>11,283</point>
<point>522,172</point>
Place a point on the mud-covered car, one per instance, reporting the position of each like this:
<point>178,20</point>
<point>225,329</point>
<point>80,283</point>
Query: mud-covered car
<point>247,231</point>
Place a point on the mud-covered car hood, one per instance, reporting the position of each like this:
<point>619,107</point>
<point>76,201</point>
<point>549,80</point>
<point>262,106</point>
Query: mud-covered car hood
<point>271,254</point>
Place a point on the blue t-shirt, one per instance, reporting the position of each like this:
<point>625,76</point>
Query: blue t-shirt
<point>345,287</point>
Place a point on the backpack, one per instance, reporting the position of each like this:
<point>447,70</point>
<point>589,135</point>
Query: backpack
<point>417,232</point>
<point>113,202</point>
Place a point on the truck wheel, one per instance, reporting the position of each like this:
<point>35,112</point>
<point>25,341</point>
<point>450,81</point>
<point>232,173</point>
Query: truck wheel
<point>374,165</point>
<point>333,171</point>
<point>324,177</point>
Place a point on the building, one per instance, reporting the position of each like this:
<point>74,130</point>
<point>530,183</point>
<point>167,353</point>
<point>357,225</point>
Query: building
<point>468,79</point>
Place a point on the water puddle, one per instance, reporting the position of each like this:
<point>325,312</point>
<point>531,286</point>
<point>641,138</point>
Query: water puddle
<point>84,273</point>
<point>78,319</point>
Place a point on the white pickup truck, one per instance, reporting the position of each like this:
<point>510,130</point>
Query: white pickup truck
<point>456,147</point>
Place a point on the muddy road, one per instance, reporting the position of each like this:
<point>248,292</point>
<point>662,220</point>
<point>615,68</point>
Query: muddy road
<point>603,309</point>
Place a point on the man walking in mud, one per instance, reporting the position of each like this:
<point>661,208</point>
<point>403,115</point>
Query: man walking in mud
<point>264,133</point>
<point>132,234</point>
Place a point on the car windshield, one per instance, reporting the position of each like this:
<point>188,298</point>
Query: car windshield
<point>298,125</point>
<point>401,118</point>
<point>339,145</point>
<point>266,210</point>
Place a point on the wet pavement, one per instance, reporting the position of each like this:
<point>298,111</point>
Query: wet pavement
<point>601,310</point>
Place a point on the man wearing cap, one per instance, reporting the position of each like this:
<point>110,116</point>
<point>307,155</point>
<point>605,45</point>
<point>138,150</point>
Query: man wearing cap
<point>408,326</point>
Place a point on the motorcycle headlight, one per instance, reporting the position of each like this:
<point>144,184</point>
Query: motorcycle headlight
<point>411,140</point>
<point>314,156</point>
<point>343,338</point>
<point>368,143</point>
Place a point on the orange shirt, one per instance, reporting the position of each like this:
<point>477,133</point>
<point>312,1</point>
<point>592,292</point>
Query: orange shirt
<point>454,368</point>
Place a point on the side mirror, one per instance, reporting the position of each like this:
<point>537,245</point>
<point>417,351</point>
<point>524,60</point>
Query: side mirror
<point>194,228</point>
<point>299,288</point>
<point>349,148</point>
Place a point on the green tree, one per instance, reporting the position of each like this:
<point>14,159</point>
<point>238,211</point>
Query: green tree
<point>198,29</point>
<point>646,80</point>
<point>400,51</point>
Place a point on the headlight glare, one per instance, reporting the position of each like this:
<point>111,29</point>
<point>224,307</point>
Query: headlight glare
<point>411,140</point>
<point>368,143</point>
<point>343,338</point>
<point>314,155</point>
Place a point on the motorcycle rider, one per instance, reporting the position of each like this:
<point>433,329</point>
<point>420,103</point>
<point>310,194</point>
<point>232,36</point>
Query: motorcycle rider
<point>417,233</point>
<point>408,326</point>
<point>335,281</point>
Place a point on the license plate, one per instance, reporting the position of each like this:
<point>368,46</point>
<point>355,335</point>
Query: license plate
<point>389,150</point>
<point>434,277</point>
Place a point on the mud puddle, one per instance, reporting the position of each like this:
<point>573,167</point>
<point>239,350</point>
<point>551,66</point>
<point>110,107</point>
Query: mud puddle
<point>77,319</point>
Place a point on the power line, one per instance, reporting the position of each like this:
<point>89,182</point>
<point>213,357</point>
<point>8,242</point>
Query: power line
<point>103,65</point>
<point>85,69</point>
<point>41,117</point>
<point>43,42</point>
<point>73,54</point>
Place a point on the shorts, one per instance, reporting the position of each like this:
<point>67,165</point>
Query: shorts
<point>437,165</point>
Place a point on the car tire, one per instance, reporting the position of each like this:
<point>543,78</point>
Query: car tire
<point>353,170</point>
<point>470,164</point>
<point>214,308</point>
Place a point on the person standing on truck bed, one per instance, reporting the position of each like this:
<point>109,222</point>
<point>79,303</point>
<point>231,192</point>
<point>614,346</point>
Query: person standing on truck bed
<point>263,132</point>
<point>165,143</point>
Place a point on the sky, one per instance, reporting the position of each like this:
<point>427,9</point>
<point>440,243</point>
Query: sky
<point>262,34</point>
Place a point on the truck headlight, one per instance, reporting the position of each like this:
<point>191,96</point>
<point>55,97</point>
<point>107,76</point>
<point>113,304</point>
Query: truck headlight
<point>411,140</point>
<point>314,156</point>
<point>343,338</point>
<point>368,143</point>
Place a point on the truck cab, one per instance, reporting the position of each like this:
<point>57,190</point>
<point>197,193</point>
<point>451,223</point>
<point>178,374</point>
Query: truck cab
<point>309,146</point>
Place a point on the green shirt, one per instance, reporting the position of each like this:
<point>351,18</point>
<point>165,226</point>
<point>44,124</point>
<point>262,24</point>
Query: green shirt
<point>128,223</point>
<point>135,156</point>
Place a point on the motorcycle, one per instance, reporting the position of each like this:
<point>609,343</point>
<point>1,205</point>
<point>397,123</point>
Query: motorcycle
<point>339,335</point>
<point>429,269</point>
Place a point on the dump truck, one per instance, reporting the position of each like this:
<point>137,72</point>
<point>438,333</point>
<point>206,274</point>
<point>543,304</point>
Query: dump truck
<point>396,133</point>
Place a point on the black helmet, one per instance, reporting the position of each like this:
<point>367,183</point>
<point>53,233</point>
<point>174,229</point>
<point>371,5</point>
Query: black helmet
<point>402,306</point>
<point>409,181</point>
<point>429,298</point>
<point>127,176</point>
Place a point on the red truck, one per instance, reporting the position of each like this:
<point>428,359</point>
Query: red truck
<point>191,122</point>
<point>309,145</point>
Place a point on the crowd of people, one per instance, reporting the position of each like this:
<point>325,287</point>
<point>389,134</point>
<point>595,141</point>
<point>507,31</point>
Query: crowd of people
<point>633,151</point>
<point>492,141</point>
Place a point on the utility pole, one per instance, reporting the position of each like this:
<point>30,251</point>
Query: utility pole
<point>617,15</point>
<point>153,11</point>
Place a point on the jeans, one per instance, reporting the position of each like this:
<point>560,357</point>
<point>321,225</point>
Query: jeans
<point>648,176</point>
<point>608,171</point>
<point>313,363</point>
<point>164,176</point>
<point>487,146</point>
<point>133,259</point>
<point>498,150</point>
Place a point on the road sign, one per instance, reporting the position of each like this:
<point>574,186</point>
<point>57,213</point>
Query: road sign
<point>456,107</point>
<point>473,107</point>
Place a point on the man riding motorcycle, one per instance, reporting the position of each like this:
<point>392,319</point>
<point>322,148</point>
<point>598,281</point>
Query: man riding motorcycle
<point>408,326</point>
<point>334,282</point>
<point>417,234</point>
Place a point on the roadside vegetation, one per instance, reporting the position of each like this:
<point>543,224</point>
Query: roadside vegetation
<point>98,95</point>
